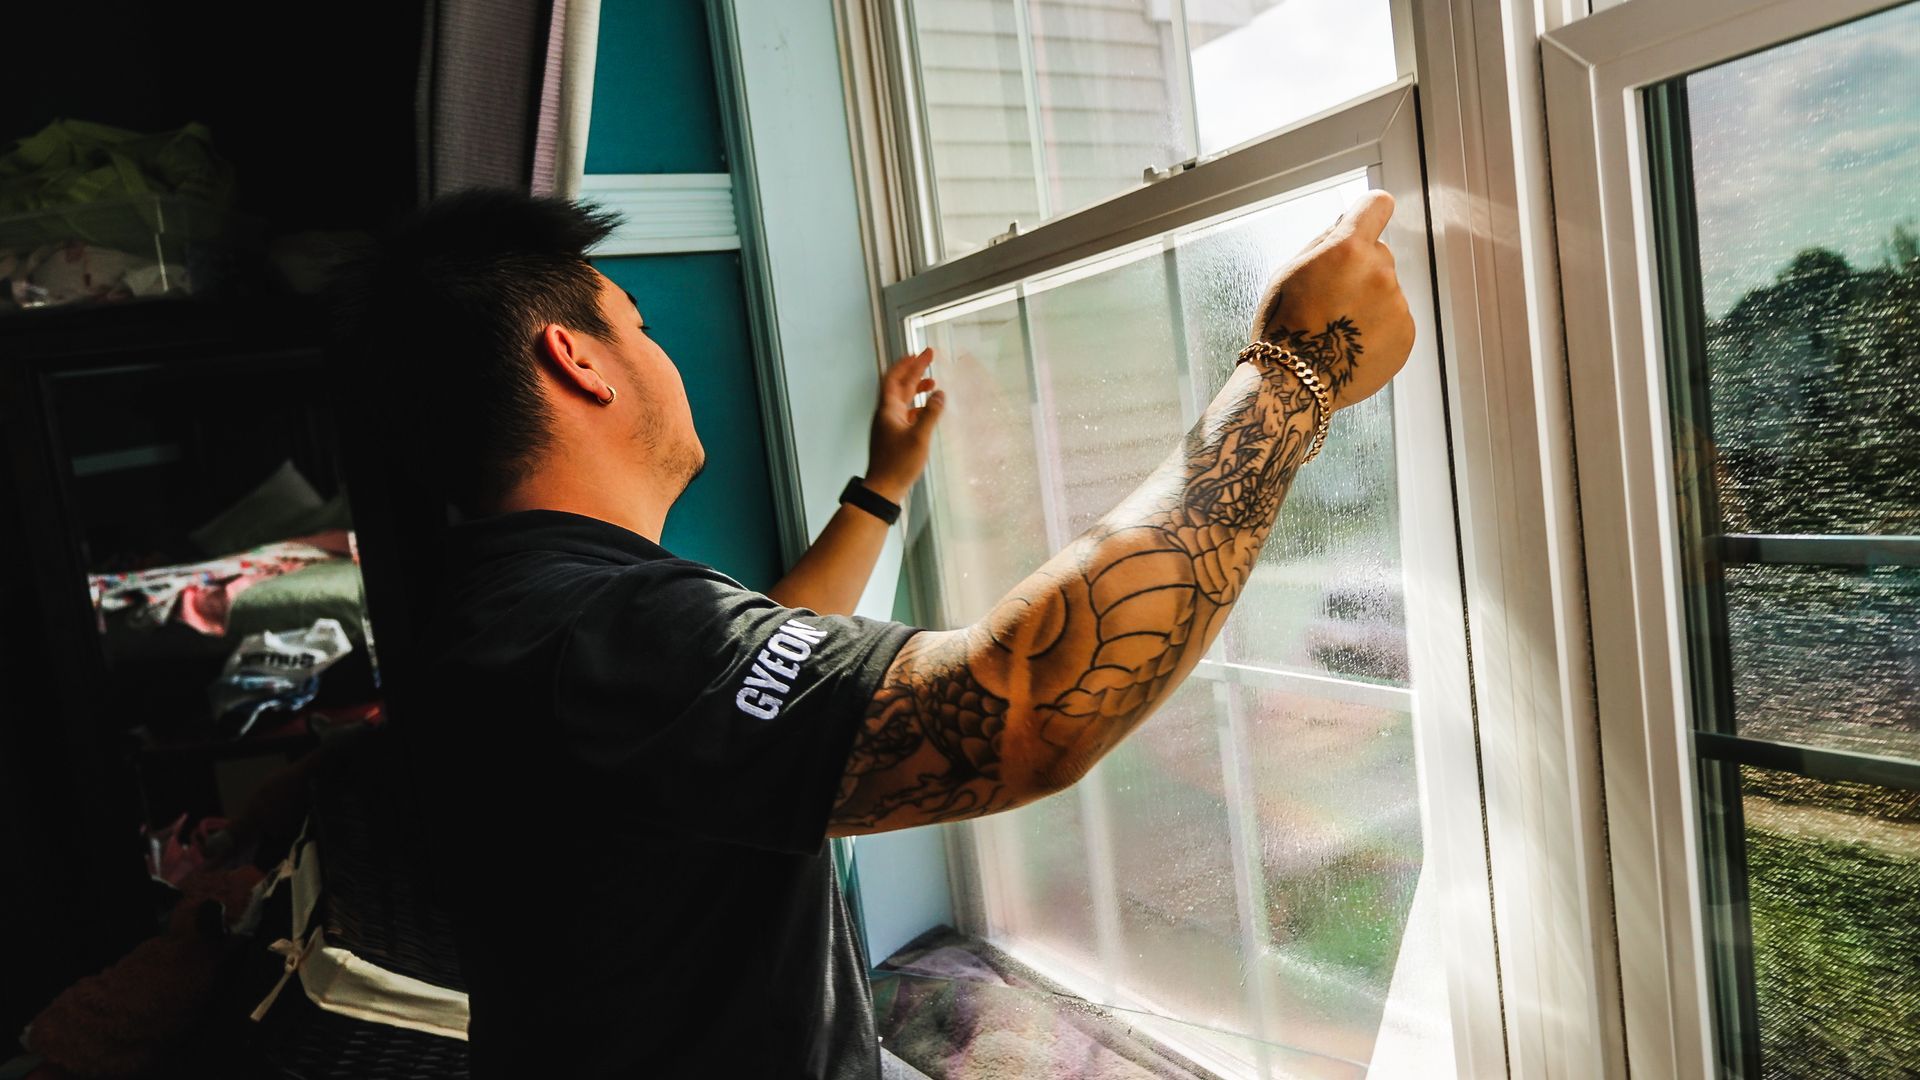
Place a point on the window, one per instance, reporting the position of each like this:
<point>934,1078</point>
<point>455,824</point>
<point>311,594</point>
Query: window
<point>1735,210</point>
<point>1256,876</point>
<point>1791,302</point>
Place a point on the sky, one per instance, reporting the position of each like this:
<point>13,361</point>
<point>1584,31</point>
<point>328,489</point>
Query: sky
<point>1812,143</point>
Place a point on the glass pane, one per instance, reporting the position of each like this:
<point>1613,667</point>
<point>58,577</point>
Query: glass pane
<point>1104,351</point>
<point>986,478</point>
<point>1037,108</point>
<point>1111,100</point>
<point>1803,165</point>
<point>1336,50</point>
<point>1833,875</point>
<point>1340,849</point>
<point>1326,593</point>
<point>1173,863</point>
<point>979,132</point>
<point>1827,657</point>
<point>1041,893</point>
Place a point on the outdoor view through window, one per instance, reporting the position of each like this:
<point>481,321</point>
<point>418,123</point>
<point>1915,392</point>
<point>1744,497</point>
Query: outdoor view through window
<point>1791,267</point>
<point>1037,108</point>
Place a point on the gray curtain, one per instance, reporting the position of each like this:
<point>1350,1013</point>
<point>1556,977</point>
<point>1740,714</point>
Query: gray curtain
<point>488,102</point>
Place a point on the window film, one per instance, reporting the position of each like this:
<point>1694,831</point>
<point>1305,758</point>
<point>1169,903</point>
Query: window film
<point>1247,862</point>
<point>1035,108</point>
<point>1790,280</point>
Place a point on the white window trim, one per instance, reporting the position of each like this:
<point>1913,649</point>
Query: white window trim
<point>1594,70</point>
<point>1378,133</point>
<point>1498,283</point>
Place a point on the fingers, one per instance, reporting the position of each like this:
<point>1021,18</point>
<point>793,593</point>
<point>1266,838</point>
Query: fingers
<point>1368,216</point>
<point>906,370</point>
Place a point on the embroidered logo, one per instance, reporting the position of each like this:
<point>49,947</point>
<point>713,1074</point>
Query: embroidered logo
<point>774,671</point>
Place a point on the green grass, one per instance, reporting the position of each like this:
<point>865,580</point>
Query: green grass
<point>1836,937</point>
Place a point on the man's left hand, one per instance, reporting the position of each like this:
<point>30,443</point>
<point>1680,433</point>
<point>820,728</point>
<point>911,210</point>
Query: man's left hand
<point>897,450</point>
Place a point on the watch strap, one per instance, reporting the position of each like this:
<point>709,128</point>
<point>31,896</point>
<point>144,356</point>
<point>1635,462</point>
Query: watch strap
<point>860,495</point>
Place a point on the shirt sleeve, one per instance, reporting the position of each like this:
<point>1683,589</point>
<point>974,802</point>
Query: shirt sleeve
<point>691,704</point>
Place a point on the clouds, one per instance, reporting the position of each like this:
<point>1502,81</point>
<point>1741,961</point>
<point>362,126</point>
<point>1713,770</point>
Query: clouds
<point>1813,143</point>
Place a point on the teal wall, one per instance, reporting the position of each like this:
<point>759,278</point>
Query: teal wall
<point>655,110</point>
<point>654,105</point>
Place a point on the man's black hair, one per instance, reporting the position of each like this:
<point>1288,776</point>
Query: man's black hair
<point>440,322</point>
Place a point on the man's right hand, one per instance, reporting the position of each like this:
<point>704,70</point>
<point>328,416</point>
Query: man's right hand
<point>1338,304</point>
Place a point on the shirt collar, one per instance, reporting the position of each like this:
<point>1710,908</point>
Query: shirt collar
<point>554,530</point>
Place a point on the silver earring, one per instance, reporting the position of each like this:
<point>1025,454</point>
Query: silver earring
<point>612,392</point>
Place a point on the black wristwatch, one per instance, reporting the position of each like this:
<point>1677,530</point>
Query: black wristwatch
<point>872,502</point>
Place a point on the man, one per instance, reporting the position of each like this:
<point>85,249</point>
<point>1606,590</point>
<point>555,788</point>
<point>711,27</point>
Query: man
<point>635,762</point>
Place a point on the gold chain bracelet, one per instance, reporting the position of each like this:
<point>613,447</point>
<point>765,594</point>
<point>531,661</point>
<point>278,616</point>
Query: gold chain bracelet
<point>1322,399</point>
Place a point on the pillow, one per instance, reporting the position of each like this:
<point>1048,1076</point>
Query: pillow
<point>325,590</point>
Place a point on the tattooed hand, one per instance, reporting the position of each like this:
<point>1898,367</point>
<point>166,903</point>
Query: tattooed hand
<point>1342,288</point>
<point>1021,704</point>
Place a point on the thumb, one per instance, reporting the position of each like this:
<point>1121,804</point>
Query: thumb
<point>1368,215</point>
<point>929,414</point>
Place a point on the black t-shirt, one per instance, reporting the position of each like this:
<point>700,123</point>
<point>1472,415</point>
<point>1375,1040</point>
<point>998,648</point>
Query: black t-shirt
<point>631,760</point>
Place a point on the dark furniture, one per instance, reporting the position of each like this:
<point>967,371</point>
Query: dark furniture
<point>125,427</point>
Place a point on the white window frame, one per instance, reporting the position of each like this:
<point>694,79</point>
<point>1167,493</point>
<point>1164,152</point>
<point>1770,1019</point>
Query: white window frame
<point>1379,134</point>
<point>1594,72</point>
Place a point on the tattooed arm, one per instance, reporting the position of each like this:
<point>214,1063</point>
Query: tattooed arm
<point>1022,703</point>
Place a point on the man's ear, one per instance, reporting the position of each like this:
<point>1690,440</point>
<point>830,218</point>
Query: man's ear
<point>571,359</point>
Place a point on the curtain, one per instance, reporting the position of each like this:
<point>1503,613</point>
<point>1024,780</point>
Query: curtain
<point>580,44</point>
<point>484,111</point>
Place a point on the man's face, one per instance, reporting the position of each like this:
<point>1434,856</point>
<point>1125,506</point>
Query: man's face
<point>663,432</point>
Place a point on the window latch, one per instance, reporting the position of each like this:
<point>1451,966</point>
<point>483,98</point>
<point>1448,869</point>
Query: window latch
<point>1151,175</point>
<point>1013,230</point>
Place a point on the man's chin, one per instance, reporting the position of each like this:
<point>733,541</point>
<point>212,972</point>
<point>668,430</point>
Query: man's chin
<point>699,466</point>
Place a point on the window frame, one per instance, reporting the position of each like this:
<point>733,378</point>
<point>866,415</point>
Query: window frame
<point>1378,133</point>
<point>1596,72</point>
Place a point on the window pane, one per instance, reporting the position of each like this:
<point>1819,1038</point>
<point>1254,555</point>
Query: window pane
<point>1334,50</point>
<point>986,477</point>
<point>1104,351</point>
<point>1340,851</point>
<point>1037,108</point>
<point>973,95</point>
<point>1803,165</point>
<point>1111,101</point>
<point>1151,882</point>
<point>1043,893</point>
<point>1173,862</point>
<point>1827,657</point>
<point>1326,593</point>
<point>1834,880</point>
